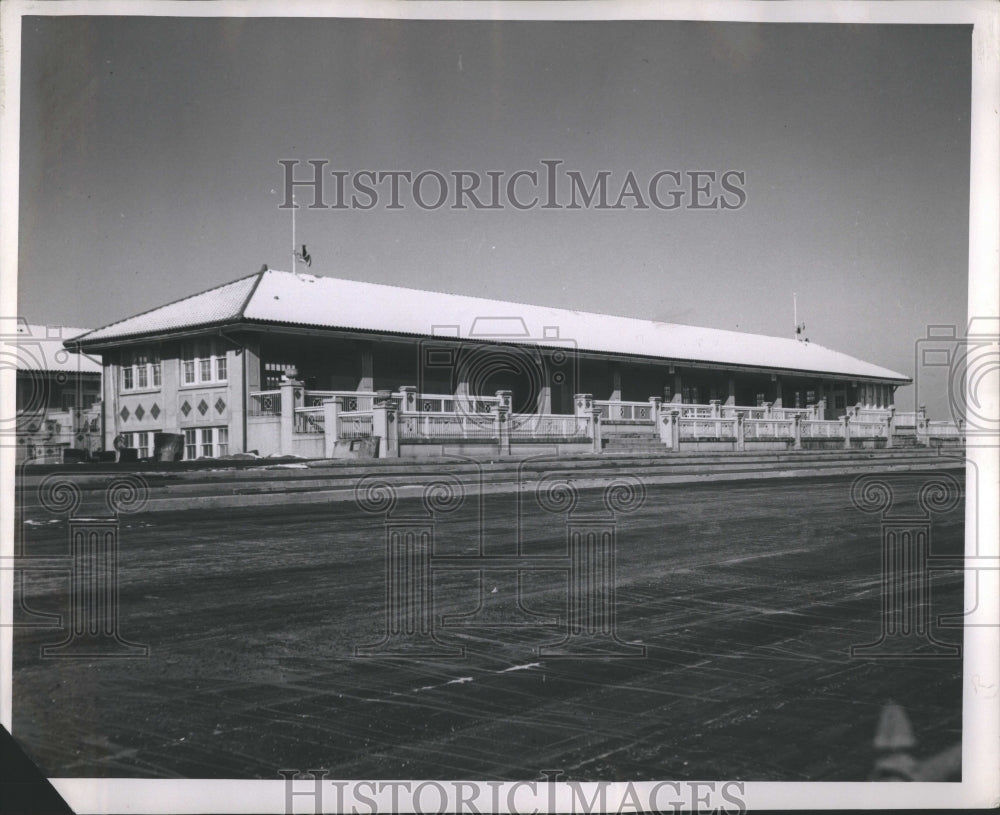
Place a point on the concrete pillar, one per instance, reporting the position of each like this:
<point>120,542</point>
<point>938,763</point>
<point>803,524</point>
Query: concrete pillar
<point>545,399</point>
<point>331,409</point>
<point>292,396</point>
<point>889,421</point>
<point>655,403</point>
<point>675,430</point>
<point>797,431</point>
<point>731,384</point>
<point>367,380</point>
<point>583,404</point>
<point>408,403</point>
<point>767,410</point>
<point>678,396</point>
<point>741,443</point>
<point>595,428</point>
<point>506,399</point>
<point>616,383</point>
<point>501,418</point>
<point>845,422</point>
<point>384,426</point>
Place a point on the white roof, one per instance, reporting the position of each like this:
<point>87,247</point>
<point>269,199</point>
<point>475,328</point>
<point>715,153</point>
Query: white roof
<point>324,302</point>
<point>40,348</point>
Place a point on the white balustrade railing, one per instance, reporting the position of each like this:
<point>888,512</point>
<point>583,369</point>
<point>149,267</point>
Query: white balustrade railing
<point>309,420</point>
<point>820,429</point>
<point>447,403</point>
<point>944,430</point>
<point>355,425</point>
<point>769,429</point>
<point>696,428</point>
<point>548,425</point>
<point>350,401</point>
<point>866,430</point>
<point>436,426</point>
<point>613,411</point>
<point>265,403</point>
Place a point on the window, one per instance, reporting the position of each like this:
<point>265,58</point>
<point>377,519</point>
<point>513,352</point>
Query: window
<point>760,400</point>
<point>274,372</point>
<point>810,398</point>
<point>203,362</point>
<point>143,442</point>
<point>139,369</point>
<point>206,442</point>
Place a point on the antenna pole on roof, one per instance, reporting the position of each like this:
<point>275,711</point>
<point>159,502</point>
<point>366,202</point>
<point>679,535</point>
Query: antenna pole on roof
<point>795,301</point>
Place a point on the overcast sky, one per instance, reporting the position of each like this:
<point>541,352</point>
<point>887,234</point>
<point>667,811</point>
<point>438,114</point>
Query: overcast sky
<point>150,149</point>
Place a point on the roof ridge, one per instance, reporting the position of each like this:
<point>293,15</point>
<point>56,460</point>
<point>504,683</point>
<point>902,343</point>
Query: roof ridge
<point>239,313</point>
<point>583,312</point>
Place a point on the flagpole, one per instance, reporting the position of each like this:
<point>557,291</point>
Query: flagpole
<point>292,269</point>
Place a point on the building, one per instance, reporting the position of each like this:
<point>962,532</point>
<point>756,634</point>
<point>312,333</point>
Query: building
<point>212,365</point>
<point>58,393</point>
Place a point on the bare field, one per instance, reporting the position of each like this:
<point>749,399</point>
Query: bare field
<point>747,598</point>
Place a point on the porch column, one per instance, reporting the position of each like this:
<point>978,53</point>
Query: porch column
<point>777,392</point>
<point>367,379</point>
<point>678,396</point>
<point>731,398</point>
<point>545,399</point>
<point>616,383</point>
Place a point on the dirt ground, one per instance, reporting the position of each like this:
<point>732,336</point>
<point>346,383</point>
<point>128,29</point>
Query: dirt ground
<point>747,598</point>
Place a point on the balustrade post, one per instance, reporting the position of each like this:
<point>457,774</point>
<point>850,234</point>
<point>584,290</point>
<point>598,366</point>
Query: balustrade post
<point>584,403</point>
<point>292,396</point>
<point>675,430</point>
<point>385,427</point>
<point>595,430</point>
<point>767,410</point>
<point>655,404</point>
<point>501,419</point>
<point>408,400</point>
<point>506,399</point>
<point>890,420</point>
<point>331,412</point>
<point>845,422</point>
<point>797,431</point>
<point>741,442</point>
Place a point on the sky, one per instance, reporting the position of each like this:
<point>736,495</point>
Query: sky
<point>150,150</point>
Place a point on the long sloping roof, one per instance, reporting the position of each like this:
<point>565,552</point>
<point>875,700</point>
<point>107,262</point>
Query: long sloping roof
<point>275,297</point>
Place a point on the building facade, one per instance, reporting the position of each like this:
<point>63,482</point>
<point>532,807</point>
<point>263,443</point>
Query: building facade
<point>58,393</point>
<point>213,366</point>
